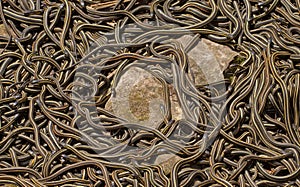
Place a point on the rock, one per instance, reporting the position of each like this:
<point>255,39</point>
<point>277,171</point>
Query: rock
<point>223,53</point>
<point>167,162</point>
<point>3,31</point>
<point>139,95</point>
<point>138,98</point>
<point>207,59</point>
<point>145,96</point>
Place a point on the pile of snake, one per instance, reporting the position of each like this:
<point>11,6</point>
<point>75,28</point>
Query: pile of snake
<point>61,60</point>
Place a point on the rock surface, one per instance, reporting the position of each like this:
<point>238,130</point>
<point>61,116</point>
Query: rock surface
<point>223,54</point>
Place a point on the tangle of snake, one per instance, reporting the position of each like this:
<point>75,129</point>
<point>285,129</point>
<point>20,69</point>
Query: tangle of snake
<point>56,59</point>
